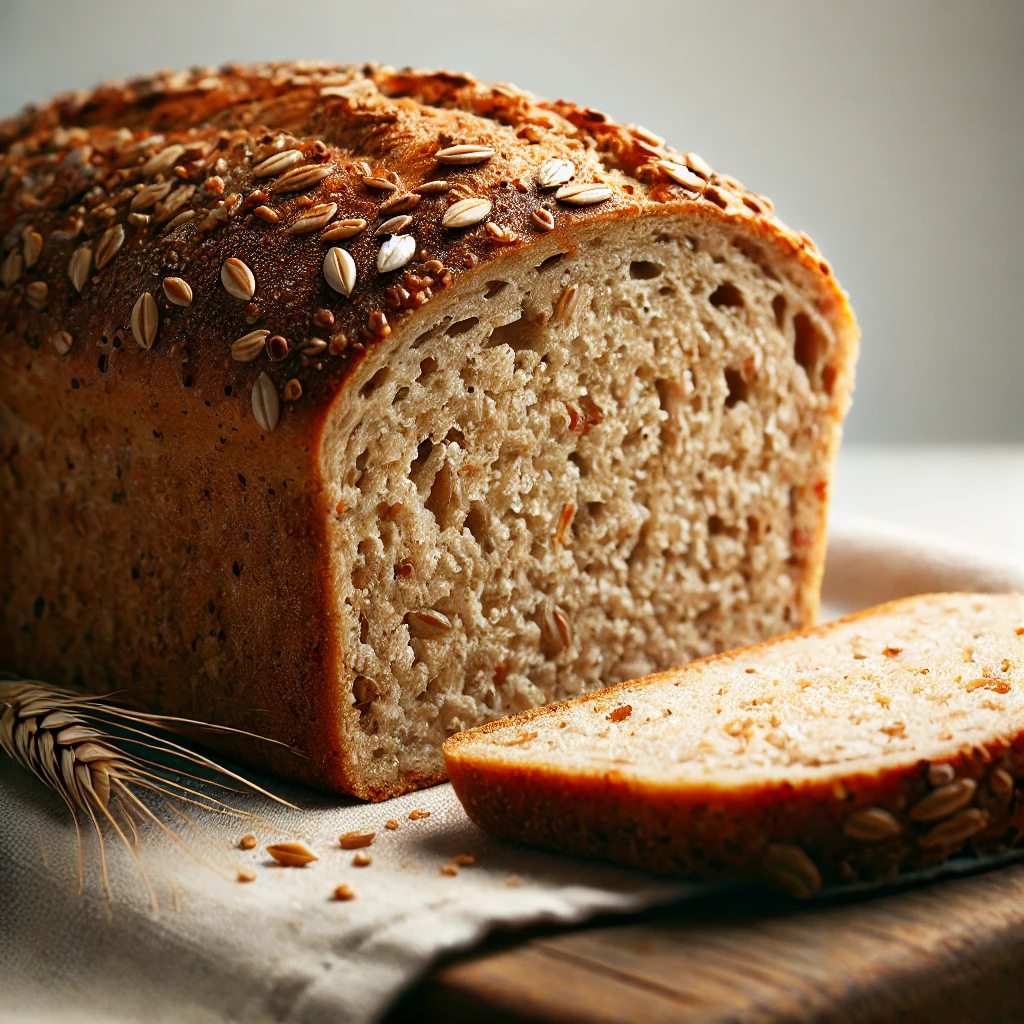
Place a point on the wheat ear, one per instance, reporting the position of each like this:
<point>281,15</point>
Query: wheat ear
<point>93,754</point>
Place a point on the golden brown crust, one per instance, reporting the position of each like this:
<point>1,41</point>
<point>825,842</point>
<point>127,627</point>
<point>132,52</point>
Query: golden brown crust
<point>800,836</point>
<point>119,208</point>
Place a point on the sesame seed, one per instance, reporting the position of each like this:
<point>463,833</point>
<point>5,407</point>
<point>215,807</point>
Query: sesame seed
<point>429,188</point>
<point>313,219</point>
<point>238,279</point>
<point>394,226</point>
<point>78,267</point>
<point>584,194</point>
<point>145,321</point>
<point>278,163</point>
<point>466,212</point>
<point>298,179</point>
<point>177,291</point>
<point>378,183</point>
<point>266,407</point>
<point>249,346</point>
<point>343,229</point>
<point>467,153</point>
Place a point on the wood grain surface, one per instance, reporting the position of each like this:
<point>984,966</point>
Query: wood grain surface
<point>951,951</point>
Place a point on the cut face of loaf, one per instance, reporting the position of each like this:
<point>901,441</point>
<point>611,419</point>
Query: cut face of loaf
<point>353,407</point>
<point>880,743</point>
<point>606,457</point>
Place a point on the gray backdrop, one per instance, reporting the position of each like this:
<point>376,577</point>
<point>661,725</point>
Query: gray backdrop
<point>889,131</point>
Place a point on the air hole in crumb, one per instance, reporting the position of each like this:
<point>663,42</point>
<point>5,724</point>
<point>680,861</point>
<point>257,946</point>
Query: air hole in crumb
<point>476,523</point>
<point>442,492</point>
<point>779,309</point>
<point>715,525</point>
<point>519,335</point>
<point>550,262</point>
<point>374,382</point>
<point>362,459</point>
<point>426,446</point>
<point>644,270</point>
<point>726,294</point>
<point>364,629</point>
<point>809,344</point>
<point>580,463</point>
<point>493,287</point>
<point>427,367</point>
<point>828,378</point>
<point>737,387</point>
<point>456,436</point>
<point>400,395</point>
<point>666,290</point>
<point>462,326</point>
<point>754,528</point>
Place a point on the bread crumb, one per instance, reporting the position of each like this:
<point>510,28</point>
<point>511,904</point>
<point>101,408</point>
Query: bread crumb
<point>391,824</point>
<point>356,839</point>
<point>247,843</point>
<point>513,882</point>
<point>416,815</point>
<point>464,860</point>
<point>619,714</point>
<point>361,860</point>
<point>344,892</point>
<point>891,652</point>
<point>246,875</point>
<point>449,869</point>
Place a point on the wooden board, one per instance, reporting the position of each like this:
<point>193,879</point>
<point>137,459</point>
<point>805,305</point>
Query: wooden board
<point>947,952</point>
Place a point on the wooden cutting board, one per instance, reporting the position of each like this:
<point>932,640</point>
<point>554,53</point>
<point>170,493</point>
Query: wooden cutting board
<point>950,951</point>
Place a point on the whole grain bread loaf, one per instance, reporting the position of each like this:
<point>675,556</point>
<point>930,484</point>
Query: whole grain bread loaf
<point>355,407</point>
<point>884,742</point>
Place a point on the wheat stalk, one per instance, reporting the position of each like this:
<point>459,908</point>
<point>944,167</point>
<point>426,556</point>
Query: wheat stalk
<point>93,753</point>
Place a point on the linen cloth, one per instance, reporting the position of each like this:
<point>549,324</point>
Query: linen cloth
<point>279,948</point>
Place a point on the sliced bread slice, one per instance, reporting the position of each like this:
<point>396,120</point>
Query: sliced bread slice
<point>883,742</point>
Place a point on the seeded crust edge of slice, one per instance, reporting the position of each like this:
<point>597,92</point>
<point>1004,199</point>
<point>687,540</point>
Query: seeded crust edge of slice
<point>788,835</point>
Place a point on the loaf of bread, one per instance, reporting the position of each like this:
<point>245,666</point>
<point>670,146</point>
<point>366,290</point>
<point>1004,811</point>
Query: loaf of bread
<point>355,407</point>
<point>884,742</point>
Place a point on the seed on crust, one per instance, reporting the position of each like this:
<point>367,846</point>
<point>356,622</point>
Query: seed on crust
<point>145,320</point>
<point>148,196</point>
<point>298,179</point>
<point>466,153</point>
<point>267,213</point>
<point>78,267</point>
<point>62,342</point>
<point>698,165</point>
<point>428,624</point>
<point>32,246</point>
<point>466,212</point>
<point>344,893</point>
<point>940,774</point>
<point>1001,783</point>
<point>432,188</point>
<point>791,869</point>
<point>946,800</point>
<point>178,291</point>
<point>238,279</point>
<point>682,175</point>
<point>278,347</point>
<point>163,161</point>
<point>138,220</point>
<point>395,225</point>
<point>542,220</point>
<point>356,839</point>
<point>266,407</point>
<point>10,270</point>
<point>374,181</point>
<point>400,203</point>
<point>555,171</point>
<point>340,270</point>
<point>36,293</point>
<point>956,830</point>
<point>871,825</point>
<point>249,346</point>
<point>292,855</point>
<point>396,251</point>
<point>111,240</point>
<point>312,219</point>
<point>584,193</point>
<point>278,163</point>
<point>292,390</point>
<point>343,229</point>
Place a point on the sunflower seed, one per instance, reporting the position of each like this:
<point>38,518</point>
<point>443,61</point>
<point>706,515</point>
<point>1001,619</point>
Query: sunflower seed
<point>791,869</point>
<point>428,624</point>
<point>584,194</point>
<point>78,267</point>
<point>357,839</point>
<point>145,320</point>
<point>1001,783</point>
<point>298,179</point>
<point>380,184</point>
<point>394,226</point>
<point>266,213</point>
<point>162,161</point>
<point>467,153</point>
<point>32,246</point>
<point>430,188</point>
<point>62,342</point>
<point>237,279</point>
<point>312,219</point>
<point>343,229</point>
<point>148,197</point>
<point>36,293</point>
<point>396,251</point>
<point>940,774</point>
<point>465,213</point>
<point>109,243</point>
<point>957,830</point>
<point>249,346</point>
<point>178,291</point>
<point>871,825</point>
<point>266,407</point>
<point>554,172</point>
<point>340,270</point>
<point>682,175</point>
<point>10,270</point>
<point>542,220</point>
<point>292,855</point>
<point>944,801</point>
<point>278,163</point>
<point>698,165</point>
<point>400,203</point>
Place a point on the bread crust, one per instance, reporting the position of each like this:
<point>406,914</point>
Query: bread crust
<point>791,834</point>
<point>79,254</point>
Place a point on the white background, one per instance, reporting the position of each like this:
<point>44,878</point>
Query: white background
<point>892,132</point>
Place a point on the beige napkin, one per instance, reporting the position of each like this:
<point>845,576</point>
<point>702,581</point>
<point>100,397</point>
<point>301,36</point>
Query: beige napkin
<point>279,948</point>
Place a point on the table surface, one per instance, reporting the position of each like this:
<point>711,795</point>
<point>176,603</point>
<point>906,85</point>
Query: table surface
<point>949,951</point>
